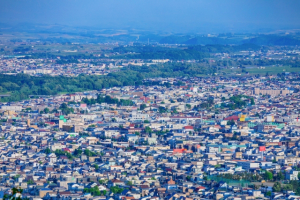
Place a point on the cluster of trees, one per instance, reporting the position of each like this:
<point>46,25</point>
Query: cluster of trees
<point>253,177</point>
<point>116,189</point>
<point>108,100</point>
<point>65,109</point>
<point>89,153</point>
<point>59,152</point>
<point>292,186</point>
<point>76,153</point>
<point>22,85</point>
<point>15,194</point>
<point>162,109</point>
<point>243,176</point>
<point>225,48</point>
<point>238,101</point>
<point>63,61</point>
<point>205,104</point>
<point>94,191</point>
<point>158,52</point>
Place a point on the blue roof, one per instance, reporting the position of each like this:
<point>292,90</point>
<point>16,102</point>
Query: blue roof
<point>46,189</point>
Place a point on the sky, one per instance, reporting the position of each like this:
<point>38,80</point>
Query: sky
<point>163,15</point>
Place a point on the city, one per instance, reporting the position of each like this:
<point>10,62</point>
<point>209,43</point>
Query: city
<point>191,138</point>
<point>149,100</point>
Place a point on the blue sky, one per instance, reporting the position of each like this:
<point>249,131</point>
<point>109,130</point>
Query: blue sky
<point>165,15</point>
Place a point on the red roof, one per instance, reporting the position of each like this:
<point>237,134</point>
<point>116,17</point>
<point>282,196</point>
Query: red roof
<point>66,149</point>
<point>178,150</point>
<point>189,127</point>
<point>235,118</point>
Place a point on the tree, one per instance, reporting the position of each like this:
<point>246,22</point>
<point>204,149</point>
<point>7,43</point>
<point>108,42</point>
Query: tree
<point>129,183</point>
<point>162,109</point>
<point>46,110</point>
<point>148,129</point>
<point>231,122</point>
<point>116,190</point>
<point>89,153</point>
<point>65,109</point>
<point>102,181</point>
<point>269,194</point>
<point>276,187</point>
<point>268,175</point>
<point>103,192</point>
<point>77,152</point>
<point>96,166</point>
<point>94,191</point>
<point>188,106</point>
<point>146,121</point>
<point>143,106</point>
<point>16,194</point>
<point>188,178</point>
<point>252,101</point>
<point>280,176</point>
<point>47,150</point>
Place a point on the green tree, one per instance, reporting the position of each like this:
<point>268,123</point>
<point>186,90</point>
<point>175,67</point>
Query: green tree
<point>65,109</point>
<point>268,175</point>
<point>252,101</point>
<point>162,109</point>
<point>129,183</point>
<point>116,189</point>
<point>15,192</point>
<point>231,122</point>
<point>188,178</point>
<point>77,152</point>
<point>46,110</point>
<point>276,187</point>
<point>148,129</point>
<point>137,133</point>
<point>89,153</point>
<point>269,194</point>
<point>47,150</point>
<point>143,106</point>
<point>96,166</point>
<point>280,176</point>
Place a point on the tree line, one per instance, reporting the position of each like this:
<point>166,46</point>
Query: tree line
<point>21,86</point>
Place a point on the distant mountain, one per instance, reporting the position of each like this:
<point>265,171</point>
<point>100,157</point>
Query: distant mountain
<point>57,33</point>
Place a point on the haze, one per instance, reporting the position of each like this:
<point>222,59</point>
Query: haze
<point>163,15</point>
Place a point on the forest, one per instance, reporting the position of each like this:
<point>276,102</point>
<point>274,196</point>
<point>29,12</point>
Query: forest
<point>21,86</point>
